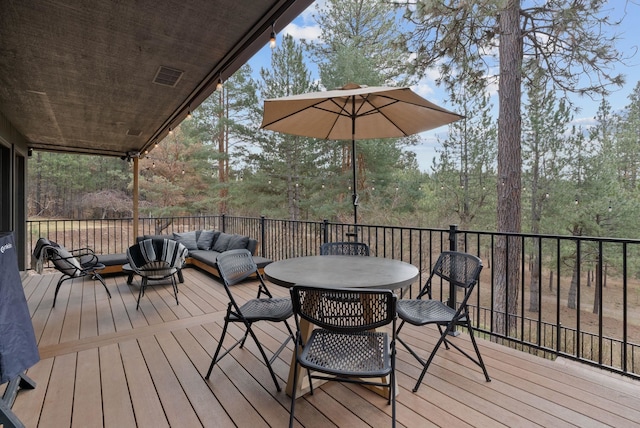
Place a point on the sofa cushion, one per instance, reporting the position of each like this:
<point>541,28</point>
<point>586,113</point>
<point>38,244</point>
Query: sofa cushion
<point>238,242</point>
<point>222,243</point>
<point>188,239</point>
<point>143,237</point>
<point>210,258</point>
<point>205,256</point>
<point>206,239</point>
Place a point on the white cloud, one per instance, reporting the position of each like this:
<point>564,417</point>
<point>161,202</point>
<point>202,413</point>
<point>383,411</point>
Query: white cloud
<point>308,32</point>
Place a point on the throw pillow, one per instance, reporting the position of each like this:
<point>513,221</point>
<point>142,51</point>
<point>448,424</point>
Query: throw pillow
<point>66,262</point>
<point>238,242</point>
<point>188,239</point>
<point>222,243</point>
<point>206,238</point>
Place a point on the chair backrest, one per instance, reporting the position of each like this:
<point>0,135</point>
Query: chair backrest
<point>235,265</point>
<point>344,249</point>
<point>458,268</point>
<point>151,251</point>
<point>344,309</point>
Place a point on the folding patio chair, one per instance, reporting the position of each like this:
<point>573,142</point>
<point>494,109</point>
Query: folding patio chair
<point>461,270</point>
<point>344,249</point>
<point>235,266</point>
<point>346,347</point>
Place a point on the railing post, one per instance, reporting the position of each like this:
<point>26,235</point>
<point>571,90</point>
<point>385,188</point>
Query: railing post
<point>222,226</point>
<point>263,234</point>
<point>325,231</point>
<point>453,246</point>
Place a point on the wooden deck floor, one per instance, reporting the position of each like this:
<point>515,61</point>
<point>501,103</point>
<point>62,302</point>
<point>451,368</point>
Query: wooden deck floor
<point>105,364</point>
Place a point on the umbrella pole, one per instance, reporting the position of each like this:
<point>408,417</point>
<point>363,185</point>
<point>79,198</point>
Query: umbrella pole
<point>353,165</point>
<point>355,191</point>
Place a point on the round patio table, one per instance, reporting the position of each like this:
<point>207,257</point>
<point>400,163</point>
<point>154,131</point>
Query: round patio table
<point>338,272</point>
<point>342,272</point>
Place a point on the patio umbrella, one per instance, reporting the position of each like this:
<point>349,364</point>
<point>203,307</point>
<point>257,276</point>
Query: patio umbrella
<point>355,112</point>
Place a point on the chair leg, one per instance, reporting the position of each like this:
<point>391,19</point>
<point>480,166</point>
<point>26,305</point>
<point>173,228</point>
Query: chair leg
<point>295,382</point>
<point>60,281</point>
<point>392,387</point>
<point>143,284</point>
<point>479,361</point>
<point>101,279</point>
<point>175,288</point>
<point>265,358</point>
<point>426,364</point>
<point>214,360</point>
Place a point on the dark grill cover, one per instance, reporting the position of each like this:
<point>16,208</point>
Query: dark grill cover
<point>18,348</point>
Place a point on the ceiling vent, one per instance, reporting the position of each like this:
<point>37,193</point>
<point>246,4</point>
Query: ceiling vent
<point>167,76</point>
<point>134,132</point>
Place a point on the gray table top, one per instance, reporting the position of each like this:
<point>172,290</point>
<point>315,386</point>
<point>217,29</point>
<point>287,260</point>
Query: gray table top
<point>342,272</point>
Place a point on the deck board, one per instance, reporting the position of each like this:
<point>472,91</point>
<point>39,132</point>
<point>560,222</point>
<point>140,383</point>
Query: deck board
<point>104,363</point>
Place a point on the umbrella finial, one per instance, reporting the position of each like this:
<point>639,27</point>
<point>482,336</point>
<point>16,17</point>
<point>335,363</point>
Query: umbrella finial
<point>351,85</point>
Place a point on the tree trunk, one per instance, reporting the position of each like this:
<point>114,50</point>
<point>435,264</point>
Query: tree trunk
<point>573,288</point>
<point>508,250</point>
<point>534,285</point>
<point>597,289</point>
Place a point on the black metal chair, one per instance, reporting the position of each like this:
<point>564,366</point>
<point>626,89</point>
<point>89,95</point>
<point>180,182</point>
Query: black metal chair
<point>235,266</point>
<point>461,270</point>
<point>155,260</point>
<point>344,249</point>
<point>76,263</point>
<point>346,347</point>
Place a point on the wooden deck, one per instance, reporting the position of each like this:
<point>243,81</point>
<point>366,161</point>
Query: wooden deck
<point>105,364</point>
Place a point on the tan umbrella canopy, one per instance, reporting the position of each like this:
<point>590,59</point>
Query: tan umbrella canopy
<point>353,113</point>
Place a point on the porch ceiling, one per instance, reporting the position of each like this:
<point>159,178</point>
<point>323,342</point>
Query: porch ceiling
<point>79,76</point>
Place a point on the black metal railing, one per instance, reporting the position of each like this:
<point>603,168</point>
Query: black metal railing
<point>576,297</point>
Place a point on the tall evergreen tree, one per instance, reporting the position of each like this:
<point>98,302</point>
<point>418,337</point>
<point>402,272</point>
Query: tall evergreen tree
<point>466,165</point>
<point>358,45</point>
<point>545,124</point>
<point>569,39</point>
<point>287,167</point>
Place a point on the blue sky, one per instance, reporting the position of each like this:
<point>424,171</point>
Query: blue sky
<point>629,45</point>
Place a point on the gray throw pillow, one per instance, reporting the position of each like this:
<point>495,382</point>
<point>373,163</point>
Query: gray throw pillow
<point>66,262</point>
<point>206,238</point>
<point>222,243</point>
<point>188,239</point>
<point>238,242</point>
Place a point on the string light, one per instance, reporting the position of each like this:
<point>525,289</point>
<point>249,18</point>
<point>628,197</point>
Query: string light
<point>219,85</point>
<point>189,114</point>
<point>170,131</point>
<point>272,38</point>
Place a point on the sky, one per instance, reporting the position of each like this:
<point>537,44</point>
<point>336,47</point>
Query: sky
<point>304,27</point>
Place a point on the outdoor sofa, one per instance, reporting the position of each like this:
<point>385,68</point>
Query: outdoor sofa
<point>204,247</point>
